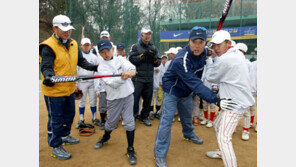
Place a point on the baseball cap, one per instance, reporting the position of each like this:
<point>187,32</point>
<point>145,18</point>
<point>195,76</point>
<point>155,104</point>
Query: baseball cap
<point>164,56</point>
<point>198,33</point>
<point>63,22</point>
<point>242,46</point>
<point>172,50</point>
<point>104,34</point>
<point>85,40</point>
<point>120,46</point>
<point>104,44</point>
<point>220,36</point>
<point>178,48</point>
<point>146,29</point>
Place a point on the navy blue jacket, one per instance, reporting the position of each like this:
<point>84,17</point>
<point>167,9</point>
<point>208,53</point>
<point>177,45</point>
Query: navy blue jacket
<point>183,76</point>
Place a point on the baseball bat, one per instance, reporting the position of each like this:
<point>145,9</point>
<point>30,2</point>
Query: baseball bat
<point>224,13</point>
<point>73,78</point>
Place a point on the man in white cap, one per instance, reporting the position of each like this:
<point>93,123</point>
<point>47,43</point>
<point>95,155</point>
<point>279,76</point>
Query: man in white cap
<point>87,86</point>
<point>106,35</point>
<point>144,55</point>
<point>231,72</point>
<point>60,55</point>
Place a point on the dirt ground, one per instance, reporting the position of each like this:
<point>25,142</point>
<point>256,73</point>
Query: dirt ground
<point>181,152</point>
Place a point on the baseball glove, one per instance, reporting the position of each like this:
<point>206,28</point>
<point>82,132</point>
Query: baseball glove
<point>78,94</point>
<point>86,131</point>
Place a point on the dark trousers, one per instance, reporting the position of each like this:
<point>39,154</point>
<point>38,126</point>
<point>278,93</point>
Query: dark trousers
<point>61,112</point>
<point>144,89</point>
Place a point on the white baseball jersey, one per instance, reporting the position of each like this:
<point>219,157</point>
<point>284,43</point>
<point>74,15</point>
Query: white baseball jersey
<point>116,87</point>
<point>230,71</point>
<point>163,69</point>
<point>87,86</point>
<point>156,78</point>
<point>91,58</point>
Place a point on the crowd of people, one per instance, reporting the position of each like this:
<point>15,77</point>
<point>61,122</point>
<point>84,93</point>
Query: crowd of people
<point>193,83</point>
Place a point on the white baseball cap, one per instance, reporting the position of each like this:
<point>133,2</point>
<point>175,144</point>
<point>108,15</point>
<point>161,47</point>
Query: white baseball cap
<point>146,29</point>
<point>172,50</point>
<point>242,46</point>
<point>164,56</point>
<point>63,22</point>
<point>104,34</point>
<point>220,36</point>
<point>85,40</point>
<point>178,48</point>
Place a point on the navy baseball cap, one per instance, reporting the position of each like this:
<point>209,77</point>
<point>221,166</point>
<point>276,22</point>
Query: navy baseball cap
<point>198,33</point>
<point>104,44</point>
<point>120,46</point>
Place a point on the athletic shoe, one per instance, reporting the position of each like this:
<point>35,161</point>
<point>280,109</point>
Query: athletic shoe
<point>210,124</point>
<point>151,115</point>
<point>96,122</point>
<point>101,142</point>
<point>204,121</point>
<point>245,135</point>
<point>215,154</point>
<point>145,121</point>
<point>157,115</point>
<point>131,155</point>
<point>160,162</point>
<point>60,153</point>
<point>195,140</point>
<point>80,122</point>
<point>195,120</point>
<point>70,140</point>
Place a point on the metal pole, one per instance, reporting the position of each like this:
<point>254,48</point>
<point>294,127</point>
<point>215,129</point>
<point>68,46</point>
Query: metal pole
<point>70,6</point>
<point>211,15</point>
<point>241,16</point>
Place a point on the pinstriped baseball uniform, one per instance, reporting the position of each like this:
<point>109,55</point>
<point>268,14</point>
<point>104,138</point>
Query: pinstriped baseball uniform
<point>230,71</point>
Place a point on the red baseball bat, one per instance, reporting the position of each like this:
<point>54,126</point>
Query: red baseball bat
<point>224,13</point>
<point>73,78</point>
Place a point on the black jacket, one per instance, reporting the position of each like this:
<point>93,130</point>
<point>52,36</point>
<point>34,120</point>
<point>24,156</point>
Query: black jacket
<point>144,67</point>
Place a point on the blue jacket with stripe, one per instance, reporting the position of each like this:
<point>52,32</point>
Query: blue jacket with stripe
<point>183,76</point>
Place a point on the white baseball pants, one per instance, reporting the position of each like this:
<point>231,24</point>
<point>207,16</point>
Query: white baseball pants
<point>225,125</point>
<point>87,88</point>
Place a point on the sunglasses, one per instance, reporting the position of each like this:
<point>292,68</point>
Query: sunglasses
<point>197,28</point>
<point>65,24</point>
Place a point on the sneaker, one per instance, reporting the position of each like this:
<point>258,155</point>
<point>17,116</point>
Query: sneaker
<point>60,153</point>
<point>215,154</point>
<point>70,140</point>
<point>195,120</point>
<point>102,125</point>
<point>80,122</point>
<point>195,140</point>
<point>157,115</point>
<point>151,115</point>
<point>131,155</point>
<point>160,162</point>
<point>96,122</point>
<point>101,142</point>
<point>245,135</point>
<point>145,121</point>
<point>210,124</point>
<point>204,121</point>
